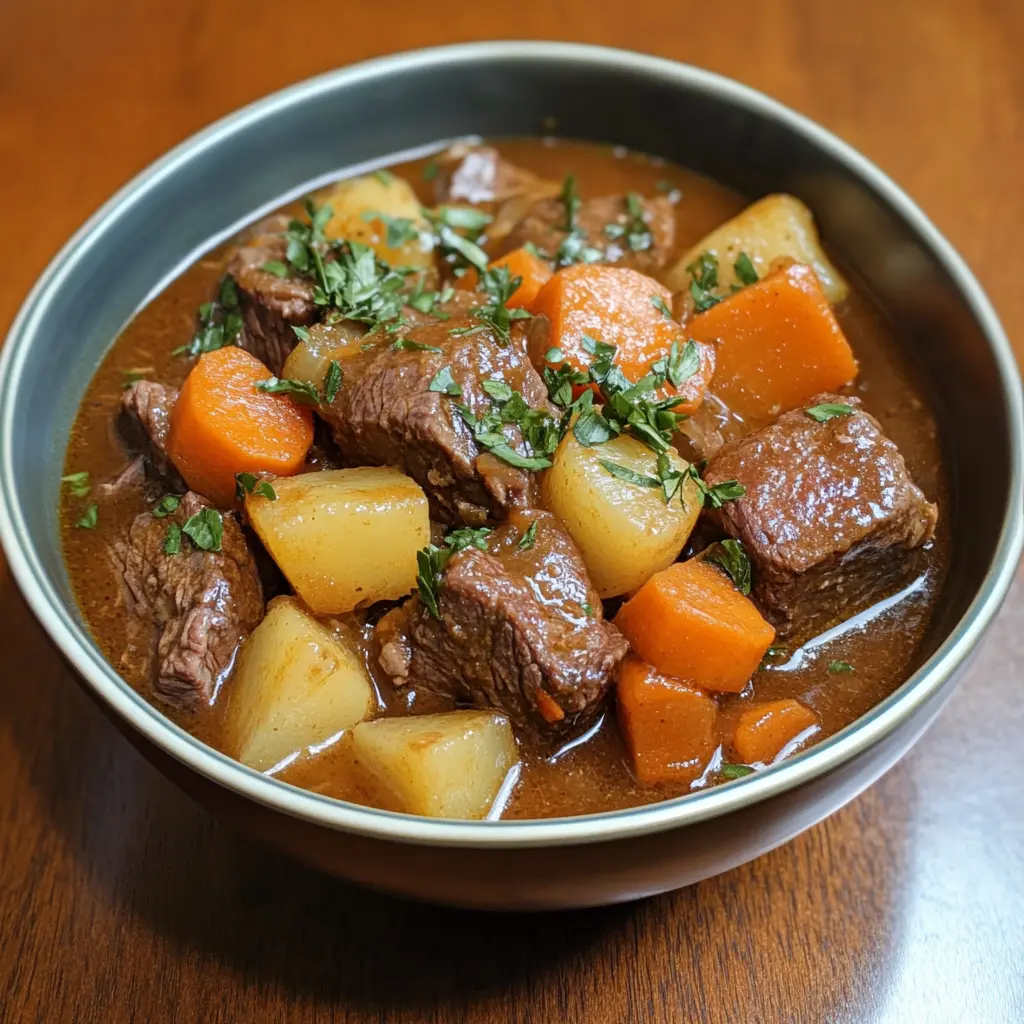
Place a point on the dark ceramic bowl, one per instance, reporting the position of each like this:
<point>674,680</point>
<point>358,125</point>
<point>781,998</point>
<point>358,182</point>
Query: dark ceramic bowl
<point>362,116</point>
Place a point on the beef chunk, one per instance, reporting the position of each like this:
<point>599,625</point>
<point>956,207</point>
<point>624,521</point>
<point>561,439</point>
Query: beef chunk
<point>543,226</point>
<point>385,414</point>
<point>480,174</point>
<point>144,423</point>
<point>187,613</point>
<point>270,305</point>
<point>521,630</point>
<point>830,515</point>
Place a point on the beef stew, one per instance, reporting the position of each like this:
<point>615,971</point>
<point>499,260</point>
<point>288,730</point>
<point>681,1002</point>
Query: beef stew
<point>596,483</point>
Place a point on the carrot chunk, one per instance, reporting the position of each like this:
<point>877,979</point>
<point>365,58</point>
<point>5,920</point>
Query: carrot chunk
<point>620,307</point>
<point>690,621</point>
<point>523,263</point>
<point>778,343</point>
<point>221,425</point>
<point>764,729</point>
<point>668,725</point>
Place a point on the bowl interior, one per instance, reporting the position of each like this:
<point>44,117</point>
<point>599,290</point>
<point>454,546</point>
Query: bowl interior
<point>364,115</point>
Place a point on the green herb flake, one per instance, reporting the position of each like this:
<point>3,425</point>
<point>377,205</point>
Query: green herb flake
<point>301,391</point>
<point>300,332</point>
<point>430,170</point>
<point>166,505</point>
<point>431,562</point>
<point>734,771</point>
<point>205,528</point>
<point>247,483</point>
<point>588,610</point>
<point>172,542</point>
<point>497,389</point>
<point>624,473</point>
<point>408,345</point>
<point>332,381</point>
<point>136,373</point>
<point>444,383</point>
<point>703,273</point>
<point>468,537</point>
<point>745,270</point>
<point>386,178</point>
<point>829,411</point>
<point>529,538</point>
<point>89,518</point>
<point>731,556</point>
<point>78,483</point>
<point>219,322</point>
<point>840,666</point>
<point>399,231</point>
<point>275,267</point>
<point>661,306</point>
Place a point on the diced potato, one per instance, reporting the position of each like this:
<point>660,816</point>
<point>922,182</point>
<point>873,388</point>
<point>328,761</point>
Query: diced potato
<point>450,765</point>
<point>309,359</point>
<point>625,531</point>
<point>773,227</point>
<point>346,537</point>
<point>295,686</point>
<point>353,199</point>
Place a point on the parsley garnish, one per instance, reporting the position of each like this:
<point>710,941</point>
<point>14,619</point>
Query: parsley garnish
<point>734,771</point>
<point>500,285</point>
<point>635,230</point>
<point>172,542</point>
<point>529,538</point>
<point>444,382</point>
<point>540,431</point>
<point>573,248</point>
<point>408,345</point>
<point>166,505</point>
<point>460,251</point>
<point>332,381</point>
<point>399,230</point>
<point>718,494</point>
<point>745,270</point>
<point>588,609</point>
<point>220,322</point>
<point>430,170</point>
<point>431,562</point>
<point>247,483</point>
<point>703,273</point>
<point>206,528</point>
<point>661,306</point>
<point>468,537</point>
<point>840,666</point>
<point>680,364</point>
<point>89,519</point>
<point>624,473</point>
<point>731,556</point>
<point>78,483</point>
<point>301,391</point>
<point>384,177</point>
<point>275,267</point>
<point>829,411</point>
<point>300,332</point>
<point>135,373</point>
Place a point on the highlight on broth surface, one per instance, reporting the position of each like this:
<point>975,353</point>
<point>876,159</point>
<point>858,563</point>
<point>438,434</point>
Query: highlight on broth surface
<point>529,479</point>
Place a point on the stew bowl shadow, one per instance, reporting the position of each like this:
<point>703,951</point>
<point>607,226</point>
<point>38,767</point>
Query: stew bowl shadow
<point>364,116</point>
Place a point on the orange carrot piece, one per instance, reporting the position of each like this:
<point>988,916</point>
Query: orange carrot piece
<point>690,621</point>
<point>534,271</point>
<point>221,425</point>
<point>764,729</point>
<point>550,710</point>
<point>778,343</point>
<point>620,307</point>
<point>668,725</point>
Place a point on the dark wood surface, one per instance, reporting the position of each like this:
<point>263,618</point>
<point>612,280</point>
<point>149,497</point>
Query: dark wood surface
<point>122,901</point>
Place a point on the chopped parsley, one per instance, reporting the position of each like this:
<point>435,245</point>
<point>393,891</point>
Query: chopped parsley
<point>300,332</point>
<point>332,381</point>
<point>444,383</point>
<point>829,411</point>
<point>166,505</point>
<point>430,170</point>
<point>78,483</point>
<point>386,178</point>
<point>680,364</point>
<point>220,322</point>
<point>301,391</point>
<point>588,609</point>
<point>703,273</point>
<point>731,556</point>
<point>408,345</point>
<point>625,473</point>
<point>89,518</point>
<point>500,285</point>
<point>205,528</point>
<point>717,494</point>
<point>661,306</point>
<point>539,429</point>
<point>468,537</point>
<point>529,538</point>
<point>635,230</point>
<point>129,377</point>
<point>460,250</point>
<point>172,542</point>
<point>399,231</point>
<point>745,271</point>
<point>275,267</point>
<point>840,666</point>
<point>432,560</point>
<point>248,483</point>
<point>734,771</point>
<point>573,248</point>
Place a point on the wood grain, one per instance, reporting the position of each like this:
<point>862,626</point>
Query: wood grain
<point>122,901</point>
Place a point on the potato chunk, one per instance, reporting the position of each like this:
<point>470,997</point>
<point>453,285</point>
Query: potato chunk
<point>344,538</point>
<point>773,227</point>
<point>294,687</point>
<point>625,531</point>
<point>310,358</point>
<point>354,200</point>
<point>450,765</point>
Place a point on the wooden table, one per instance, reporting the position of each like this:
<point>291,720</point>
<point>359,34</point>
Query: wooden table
<point>121,901</point>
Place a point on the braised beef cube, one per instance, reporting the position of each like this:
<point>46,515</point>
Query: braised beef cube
<point>187,612</point>
<point>144,423</point>
<point>520,629</point>
<point>467,173</point>
<point>388,413</point>
<point>270,305</point>
<point>830,516</point>
<point>604,225</point>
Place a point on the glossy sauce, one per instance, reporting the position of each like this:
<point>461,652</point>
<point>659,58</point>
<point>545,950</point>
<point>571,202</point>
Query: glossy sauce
<point>590,773</point>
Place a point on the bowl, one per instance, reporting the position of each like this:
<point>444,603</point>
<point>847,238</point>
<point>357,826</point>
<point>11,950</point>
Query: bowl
<point>362,116</point>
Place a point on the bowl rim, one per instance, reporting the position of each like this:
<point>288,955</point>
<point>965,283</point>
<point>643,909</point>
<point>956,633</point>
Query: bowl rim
<point>73,641</point>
